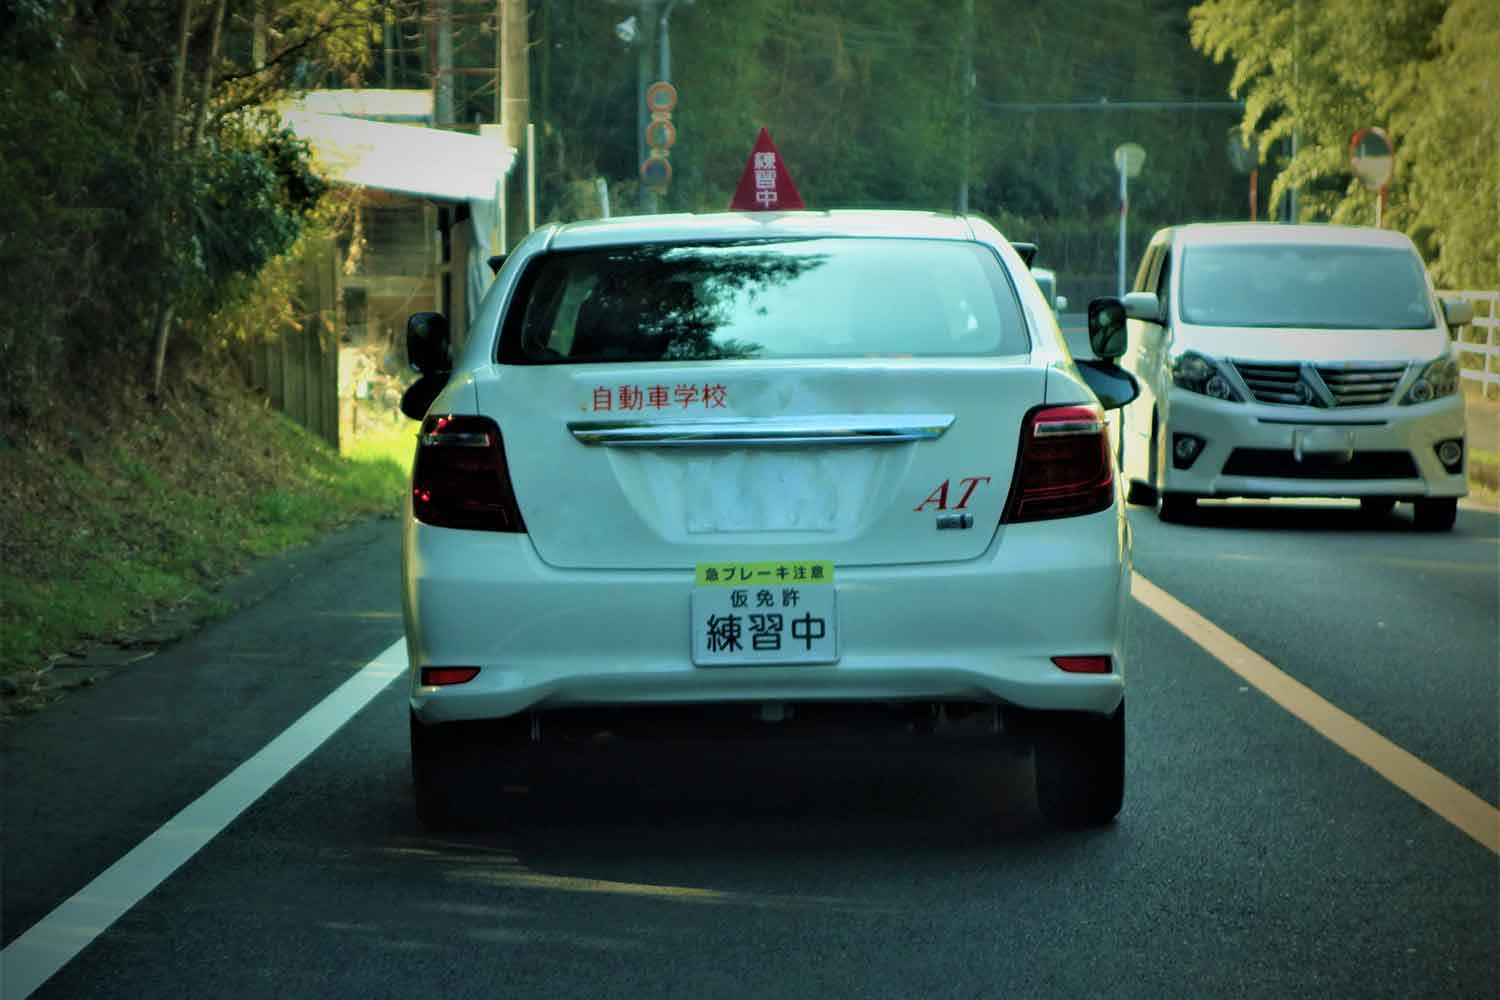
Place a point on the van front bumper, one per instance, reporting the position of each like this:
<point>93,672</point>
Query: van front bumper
<point>1262,450</point>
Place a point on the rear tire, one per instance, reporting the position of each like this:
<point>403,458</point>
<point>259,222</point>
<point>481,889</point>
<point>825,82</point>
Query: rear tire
<point>437,773</point>
<point>1376,507</point>
<point>1140,494</point>
<point>1177,508</point>
<point>1436,515</point>
<point>1080,768</point>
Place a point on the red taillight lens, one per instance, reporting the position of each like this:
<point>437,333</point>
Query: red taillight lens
<point>1083,664</point>
<point>460,479</point>
<point>1064,468</point>
<point>443,676</point>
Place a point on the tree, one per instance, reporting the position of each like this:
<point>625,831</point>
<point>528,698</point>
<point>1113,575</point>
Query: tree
<point>1424,69</point>
<point>152,179</point>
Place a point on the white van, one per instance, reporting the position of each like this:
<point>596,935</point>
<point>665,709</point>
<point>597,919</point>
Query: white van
<point>1292,361</point>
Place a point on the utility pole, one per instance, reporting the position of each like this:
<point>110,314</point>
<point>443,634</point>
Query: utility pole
<point>642,80</point>
<point>515,108</point>
<point>1296,103</point>
<point>442,80</point>
<point>966,92</point>
<point>387,45</point>
<point>258,36</point>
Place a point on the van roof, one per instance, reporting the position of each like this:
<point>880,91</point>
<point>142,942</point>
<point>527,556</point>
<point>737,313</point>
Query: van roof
<point>1238,233</point>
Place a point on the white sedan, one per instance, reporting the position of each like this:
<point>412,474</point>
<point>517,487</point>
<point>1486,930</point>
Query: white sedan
<point>802,469</point>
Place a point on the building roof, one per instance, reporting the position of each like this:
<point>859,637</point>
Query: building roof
<point>403,159</point>
<point>408,106</point>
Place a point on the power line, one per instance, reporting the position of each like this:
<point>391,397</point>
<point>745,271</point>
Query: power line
<point>1105,104</point>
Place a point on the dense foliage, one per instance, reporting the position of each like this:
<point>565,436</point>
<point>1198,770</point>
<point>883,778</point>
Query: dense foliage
<point>1425,70</point>
<point>141,182</point>
<point>865,99</point>
<point>144,184</point>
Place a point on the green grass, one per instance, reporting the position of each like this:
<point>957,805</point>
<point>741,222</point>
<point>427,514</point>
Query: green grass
<point>126,527</point>
<point>1484,473</point>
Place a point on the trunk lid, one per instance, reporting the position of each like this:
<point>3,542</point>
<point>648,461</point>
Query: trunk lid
<point>854,461</point>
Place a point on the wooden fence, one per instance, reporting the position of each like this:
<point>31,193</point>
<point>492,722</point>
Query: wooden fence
<point>298,368</point>
<point>1479,342</point>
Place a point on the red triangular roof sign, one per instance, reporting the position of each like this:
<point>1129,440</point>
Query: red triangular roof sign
<point>765,186</point>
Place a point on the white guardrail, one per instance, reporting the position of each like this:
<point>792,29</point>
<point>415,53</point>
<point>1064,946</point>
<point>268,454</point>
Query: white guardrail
<point>1479,342</point>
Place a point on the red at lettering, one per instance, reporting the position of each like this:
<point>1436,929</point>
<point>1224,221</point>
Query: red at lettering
<point>973,482</point>
<point>939,496</point>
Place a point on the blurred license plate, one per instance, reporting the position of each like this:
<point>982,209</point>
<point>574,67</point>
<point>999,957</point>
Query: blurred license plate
<point>769,613</point>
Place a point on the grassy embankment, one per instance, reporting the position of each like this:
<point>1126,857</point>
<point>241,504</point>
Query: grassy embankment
<point>120,526</point>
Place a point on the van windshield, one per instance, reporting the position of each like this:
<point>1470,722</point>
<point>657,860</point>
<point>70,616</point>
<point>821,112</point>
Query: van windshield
<point>812,298</point>
<point>1313,287</point>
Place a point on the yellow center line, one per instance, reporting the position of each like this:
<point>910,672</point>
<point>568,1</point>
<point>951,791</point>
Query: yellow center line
<point>1435,790</point>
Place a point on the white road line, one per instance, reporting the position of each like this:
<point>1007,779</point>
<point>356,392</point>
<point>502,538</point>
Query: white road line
<point>1429,786</point>
<point>34,957</point>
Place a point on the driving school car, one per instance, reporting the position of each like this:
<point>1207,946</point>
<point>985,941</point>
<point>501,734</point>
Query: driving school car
<point>802,467</point>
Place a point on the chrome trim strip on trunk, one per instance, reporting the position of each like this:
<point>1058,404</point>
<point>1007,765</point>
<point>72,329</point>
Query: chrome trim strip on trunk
<point>836,429</point>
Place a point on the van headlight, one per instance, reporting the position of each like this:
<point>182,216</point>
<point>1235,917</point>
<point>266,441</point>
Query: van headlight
<point>1196,373</point>
<point>1438,379</point>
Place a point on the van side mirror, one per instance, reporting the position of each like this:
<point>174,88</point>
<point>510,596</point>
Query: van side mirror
<point>427,343</point>
<point>1144,306</point>
<point>496,262</point>
<point>1458,312</point>
<point>1107,328</point>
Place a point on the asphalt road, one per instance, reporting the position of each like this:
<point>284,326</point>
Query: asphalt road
<point>1255,856</point>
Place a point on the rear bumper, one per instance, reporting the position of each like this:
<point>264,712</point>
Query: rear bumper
<point>982,630</point>
<point>1250,449</point>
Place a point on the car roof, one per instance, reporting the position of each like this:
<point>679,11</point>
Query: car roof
<point>1240,233</point>
<point>627,230</point>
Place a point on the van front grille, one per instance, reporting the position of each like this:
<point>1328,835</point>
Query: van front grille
<point>1351,383</point>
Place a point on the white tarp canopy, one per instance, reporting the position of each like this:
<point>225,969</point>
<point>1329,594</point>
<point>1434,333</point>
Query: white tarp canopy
<point>417,162</point>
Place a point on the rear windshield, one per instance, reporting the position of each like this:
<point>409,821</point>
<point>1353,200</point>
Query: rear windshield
<point>815,298</point>
<point>1318,287</point>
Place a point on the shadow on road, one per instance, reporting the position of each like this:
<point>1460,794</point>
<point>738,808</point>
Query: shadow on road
<point>687,799</point>
<point>1290,515</point>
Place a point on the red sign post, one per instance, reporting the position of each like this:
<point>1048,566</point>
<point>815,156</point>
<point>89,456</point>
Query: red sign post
<point>765,186</point>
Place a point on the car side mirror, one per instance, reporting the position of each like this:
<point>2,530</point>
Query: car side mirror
<point>1114,386</point>
<point>427,343</point>
<point>1144,306</point>
<point>1107,328</point>
<point>418,396</point>
<point>1458,312</point>
<point>496,262</point>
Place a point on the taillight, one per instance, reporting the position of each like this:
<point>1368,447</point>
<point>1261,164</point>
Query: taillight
<point>1064,468</point>
<point>1083,664</point>
<point>446,676</point>
<point>460,479</point>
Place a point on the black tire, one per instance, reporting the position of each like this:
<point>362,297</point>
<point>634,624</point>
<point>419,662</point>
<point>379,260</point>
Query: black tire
<point>1376,507</point>
<point>1173,508</point>
<point>1140,494</point>
<point>437,774</point>
<point>1080,768</point>
<point>1436,515</point>
<point>1177,508</point>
